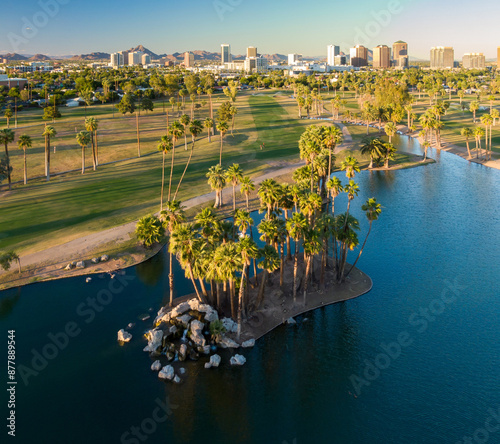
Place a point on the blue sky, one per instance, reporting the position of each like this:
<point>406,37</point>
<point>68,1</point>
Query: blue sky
<point>274,26</point>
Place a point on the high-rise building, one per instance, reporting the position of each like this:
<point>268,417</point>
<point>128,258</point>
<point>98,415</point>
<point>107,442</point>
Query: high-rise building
<point>135,58</point>
<point>255,64</point>
<point>359,56</point>
<point>116,60</point>
<point>400,54</point>
<point>382,57</point>
<point>124,55</point>
<point>333,51</point>
<point>293,59</point>
<point>442,57</point>
<point>188,59</point>
<point>340,60</point>
<point>226,53</point>
<point>146,59</point>
<point>251,51</point>
<point>474,60</point>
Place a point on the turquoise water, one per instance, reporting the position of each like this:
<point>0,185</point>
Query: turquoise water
<point>435,248</point>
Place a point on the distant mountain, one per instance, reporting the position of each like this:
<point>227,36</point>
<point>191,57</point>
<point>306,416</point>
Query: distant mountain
<point>93,56</point>
<point>11,57</point>
<point>145,50</point>
<point>39,58</point>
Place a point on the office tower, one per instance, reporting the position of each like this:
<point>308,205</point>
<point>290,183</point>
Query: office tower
<point>255,64</point>
<point>442,57</point>
<point>116,60</point>
<point>293,59</point>
<point>124,55</point>
<point>400,54</point>
<point>340,60</point>
<point>135,58</point>
<point>332,52</point>
<point>225,53</point>
<point>146,59</point>
<point>251,51</point>
<point>188,59</point>
<point>381,57</point>
<point>474,60</point>
<point>359,56</point>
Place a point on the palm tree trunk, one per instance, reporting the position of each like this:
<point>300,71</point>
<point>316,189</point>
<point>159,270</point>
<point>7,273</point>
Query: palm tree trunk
<point>282,264</point>
<point>93,150</point>
<point>221,140</point>
<point>185,169</point>
<point>191,276</point>
<point>232,297</point>
<point>185,139</point>
<point>138,137</point>
<point>83,159</point>
<point>260,296</point>
<point>240,299</point>
<point>234,198</point>
<point>96,149</point>
<point>171,280</point>
<point>468,149</point>
<point>48,159</point>
<point>360,251</point>
<point>25,169</point>
<point>162,180</point>
<point>171,171</point>
<point>306,274</point>
<point>295,269</point>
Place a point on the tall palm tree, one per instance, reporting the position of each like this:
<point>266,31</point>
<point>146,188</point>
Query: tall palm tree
<point>426,146</point>
<point>269,194</point>
<point>248,250</point>
<point>208,123</point>
<point>91,125</point>
<point>333,137</point>
<point>270,262</point>
<point>6,137</point>
<point>374,148</point>
<point>311,246</point>
<point>246,187</point>
<point>296,226</point>
<point>232,112</point>
<point>495,114</point>
<point>234,174</point>
<point>334,186</point>
<point>83,139</point>
<point>217,181</point>
<point>165,146</point>
<point>49,132</point>
<point>390,129</point>
<point>473,107</point>
<point>228,261</point>
<point>467,133</point>
<point>195,128</point>
<point>478,134</point>
<point>185,120</point>
<point>175,131</point>
<point>487,121</point>
<point>171,216</point>
<point>23,143</point>
<point>222,127</point>
<point>351,166</point>
<point>8,115</point>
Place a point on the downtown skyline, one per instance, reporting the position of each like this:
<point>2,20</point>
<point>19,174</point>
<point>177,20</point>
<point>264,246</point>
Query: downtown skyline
<point>28,29</point>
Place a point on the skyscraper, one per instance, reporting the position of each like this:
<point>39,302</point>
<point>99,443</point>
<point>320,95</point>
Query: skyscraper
<point>400,54</point>
<point>442,57</point>
<point>474,60</point>
<point>293,59</point>
<point>359,56</point>
<point>382,57</point>
<point>188,59</point>
<point>225,53</point>
<point>251,51</point>
<point>116,60</point>
<point>333,51</point>
<point>135,58</point>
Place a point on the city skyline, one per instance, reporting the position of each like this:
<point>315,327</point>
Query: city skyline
<point>33,28</point>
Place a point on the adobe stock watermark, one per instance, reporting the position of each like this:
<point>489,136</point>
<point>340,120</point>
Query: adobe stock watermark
<point>391,351</point>
<point>381,19</point>
<point>59,341</point>
<point>149,425</point>
<point>224,6</point>
<point>483,434</point>
<point>40,19</point>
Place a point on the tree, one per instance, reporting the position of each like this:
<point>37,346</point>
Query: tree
<point>184,119</point>
<point>234,174</point>
<point>8,115</point>
<point>296,226</point>
<point>487,121</point>
<point>246,187</point>
<point>4,169</point>
<point>217,181</point>
<point>7,258</point>
<point>127,104</point>
<point>146,104</point>
<point>374,147</point>
<point>208,123</point>
<point>149,230</point>
<point>23,143</point>
<point>91,125</point>
<point>165,146</point>
<point>390,129</point>
<point>478,134</point>
<point>270,262</point>
<point>233,111</point>
<point>49,133</point>
<point>426,146</point>
<point>473,107</point>
<point>351,166</point>
<point>222,127</point>
<point>83,139</point>
<point>175,131</point>
<point>6,137</point>
<point>389,154</point>
<point>51,113</point>
<point>467,133</point>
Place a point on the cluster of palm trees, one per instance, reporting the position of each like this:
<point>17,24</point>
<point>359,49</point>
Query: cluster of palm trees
<point>89,137</point>
<point>300,226</point>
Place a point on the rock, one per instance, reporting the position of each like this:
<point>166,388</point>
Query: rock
<point>124,336</point>
<point>154,340</point>
<point>197,333</point>
<point>144,317</point>
<point>95,260</point>
<point>104,258</point>
<point>249,343</point>
<point>177,380</point>
<point>131,325</point>
<point>170,355</point>
<point>196,305</point>
<point>211,316</point>
<point>180,309</point>
<point>214,360</point>
<point>230,325</point>
<point>182,370</point>
<point>80,264</point>
<point>156,366</point>
<point>237,360</point>
<point>166,372</point>
<point>205,349</point>
<point>164,315</point>
<point>291,321</point>
<point>182,352</point>
<point>88,280</point>
<point>172,330</point>
<point>208,365</point>
<point>184,319</point>
<point>227,343</point>
<point>69,266</point>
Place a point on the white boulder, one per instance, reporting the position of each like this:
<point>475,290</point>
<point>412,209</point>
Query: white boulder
<point>214,360</point>
<point>211,316</point>
<point>104,258</point>
<point>80,264</point>
<point>95,260</point>
<point>184,319</point>
<point>237,360</point>
<point>177,380</point>
<point>291,321</point>
<point>197,333</point>
<point>166,372</point>
<point>230,325</point>
<point>155,366</point>
<point>225,342</point>
<point>180,309</point>
<point>154,340</point>
<point>249,343</point>
<point>208,365</point>
<point>164,315</point>
<point>124,336</point>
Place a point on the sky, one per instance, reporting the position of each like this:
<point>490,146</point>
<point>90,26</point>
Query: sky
<point>64,27</point>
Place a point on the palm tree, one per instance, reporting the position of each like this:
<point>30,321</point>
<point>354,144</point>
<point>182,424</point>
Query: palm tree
<point>351,166</point>
<point>217,181</point>
<point>91,125</point>
<point>175,131</point>
<point>270,262</point>
<point>149,230</point>
<point>48,133</point>
<point>208,123</point>
<point>222,127</point>
<point>311,247</point>
<point>426,146</point>
<point>473,107</point>
<point>487,121</point>
<point>246,187</point>
<point>165,146</point>
<point>333,137</point>
<point>390,129</point>
<point>334,185</point>
<point>6,137</point>
<point>248,250</point>
<point>495,114</point>
<point>296,226</point>
<point>374,148</point>
<point>389,154</point>
<point>269,195</point>
<point>184,119</point>
<point>234,174</point>
<point>467,132</point>
<point>83,139</point>
<point>232,112</point>
<point>8,115</point>
<point>23,143</point>
<point>171,216</point>
<point>195,128</point>
<point>478,134</point>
